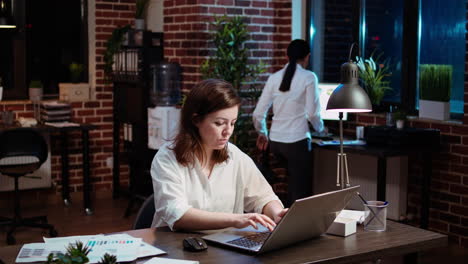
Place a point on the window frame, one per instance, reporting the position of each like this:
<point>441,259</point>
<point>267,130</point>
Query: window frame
<point>20,52</point>
<point>410,49</point>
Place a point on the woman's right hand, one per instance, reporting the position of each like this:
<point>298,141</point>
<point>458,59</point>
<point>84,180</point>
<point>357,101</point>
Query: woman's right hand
<point>262,142</point>
<point>252,219</point>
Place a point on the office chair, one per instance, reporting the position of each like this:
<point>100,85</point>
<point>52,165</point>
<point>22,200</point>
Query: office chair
<point>145,215</point>
<point>22,151</point>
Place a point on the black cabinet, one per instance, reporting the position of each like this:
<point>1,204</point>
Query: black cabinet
<point>132,84</point>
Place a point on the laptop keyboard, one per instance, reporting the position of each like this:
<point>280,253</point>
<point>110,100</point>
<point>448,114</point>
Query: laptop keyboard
<point>251,240</point>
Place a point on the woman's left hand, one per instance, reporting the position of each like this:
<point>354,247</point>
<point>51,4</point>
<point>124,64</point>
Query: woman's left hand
<point>277,217</point>
<point>262,142</point>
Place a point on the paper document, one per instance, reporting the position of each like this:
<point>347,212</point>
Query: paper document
<point>70,239</point>
<point>36,252</point>
<point>353,214</point>
<point>146,249</point>
<point>170,261</point>
<point>123,246</point>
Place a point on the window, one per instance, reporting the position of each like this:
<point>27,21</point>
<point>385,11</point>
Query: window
<point>442,41</point>
<point>330,35</point>
<point>50,35</point>
<point>408,32</point>
<point>382,32</point>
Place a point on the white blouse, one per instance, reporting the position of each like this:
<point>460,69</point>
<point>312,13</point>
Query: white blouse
<point>235,186</point>
<point>291,109</point>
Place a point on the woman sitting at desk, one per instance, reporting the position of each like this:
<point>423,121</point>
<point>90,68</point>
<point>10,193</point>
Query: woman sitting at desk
<point>200,180</point>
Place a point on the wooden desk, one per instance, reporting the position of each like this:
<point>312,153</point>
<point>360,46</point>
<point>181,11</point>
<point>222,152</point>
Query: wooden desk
<point>399,239</point>
<point>63,132</point>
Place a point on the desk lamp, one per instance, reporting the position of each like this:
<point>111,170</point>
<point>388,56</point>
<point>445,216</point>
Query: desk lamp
<point>347,97</point>
<point>6,19</point>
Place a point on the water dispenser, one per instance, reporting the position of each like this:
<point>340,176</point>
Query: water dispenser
<point>165,86</point>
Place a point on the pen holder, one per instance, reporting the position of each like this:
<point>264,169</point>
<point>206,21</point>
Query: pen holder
<point>376,216</point>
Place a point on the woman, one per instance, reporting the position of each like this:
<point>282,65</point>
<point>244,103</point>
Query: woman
<point>293,93</point>
<point>200,180</point>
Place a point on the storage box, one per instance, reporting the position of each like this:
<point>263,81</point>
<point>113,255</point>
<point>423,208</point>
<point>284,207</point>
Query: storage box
<point>342,227</point>
<point>74,91</point>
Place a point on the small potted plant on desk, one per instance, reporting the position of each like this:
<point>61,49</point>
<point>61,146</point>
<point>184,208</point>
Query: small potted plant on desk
<point>400,117</point>
<point>76,90</point>
<point>77,253</point>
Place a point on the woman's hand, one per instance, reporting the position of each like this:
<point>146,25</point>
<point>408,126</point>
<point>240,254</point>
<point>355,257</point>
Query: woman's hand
<point>262,142</point>
<point>252,219</point>
<point>277,217</point>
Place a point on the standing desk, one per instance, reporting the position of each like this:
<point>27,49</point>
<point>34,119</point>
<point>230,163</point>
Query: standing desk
<point>63,132</point>
<point>384,152</point>
<point>398,240</point>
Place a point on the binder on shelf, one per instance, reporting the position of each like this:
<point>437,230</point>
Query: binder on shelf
<point>55,111</point>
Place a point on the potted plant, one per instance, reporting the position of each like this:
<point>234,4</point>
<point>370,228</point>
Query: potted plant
<point>76,69</point>
<point>435,83</point>
<point>374,74</point>
<point>77,253</point>
<point>230,63</point>
<point>140,7</point>
<point>400,117</point>
<point>35,90</point>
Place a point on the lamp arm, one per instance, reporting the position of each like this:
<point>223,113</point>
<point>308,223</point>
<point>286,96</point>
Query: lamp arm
<point>342,155</point>
<point>351,50</point>
<point>340,116</point>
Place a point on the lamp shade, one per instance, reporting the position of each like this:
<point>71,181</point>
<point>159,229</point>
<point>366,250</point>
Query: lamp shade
<point>349,96</point>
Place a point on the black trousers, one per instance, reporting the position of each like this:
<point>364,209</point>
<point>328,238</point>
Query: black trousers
<point>297,159</point>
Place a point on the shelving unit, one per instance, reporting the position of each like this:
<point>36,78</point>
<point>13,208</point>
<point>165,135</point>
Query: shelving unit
<point>132,83</point>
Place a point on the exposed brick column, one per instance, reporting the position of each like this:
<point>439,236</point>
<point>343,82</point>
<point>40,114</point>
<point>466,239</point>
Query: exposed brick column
<point>109,15</point>
<point>187,31</point>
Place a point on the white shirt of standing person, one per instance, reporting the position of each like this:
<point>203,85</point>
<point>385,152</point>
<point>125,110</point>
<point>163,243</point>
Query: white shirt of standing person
<point>234,186</point>
<point>291,109</point>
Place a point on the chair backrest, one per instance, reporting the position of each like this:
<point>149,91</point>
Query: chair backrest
<point>22,142</point>
<point>145,215</point>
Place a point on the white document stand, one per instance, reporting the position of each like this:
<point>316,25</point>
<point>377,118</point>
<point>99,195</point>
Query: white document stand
<point>163,124</point>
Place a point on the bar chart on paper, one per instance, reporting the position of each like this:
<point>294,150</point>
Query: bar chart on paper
<point>126,249</point>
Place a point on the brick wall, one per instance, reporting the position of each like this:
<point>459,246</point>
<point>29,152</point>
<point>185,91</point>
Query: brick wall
<point>187,31</point>
<point>449,189</point>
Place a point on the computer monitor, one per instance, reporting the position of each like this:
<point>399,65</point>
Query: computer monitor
<point>326,89</point>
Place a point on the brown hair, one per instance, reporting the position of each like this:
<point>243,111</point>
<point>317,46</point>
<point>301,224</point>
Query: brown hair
<point>206,97</point>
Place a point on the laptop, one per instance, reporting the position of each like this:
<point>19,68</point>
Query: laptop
<point>307,218</point>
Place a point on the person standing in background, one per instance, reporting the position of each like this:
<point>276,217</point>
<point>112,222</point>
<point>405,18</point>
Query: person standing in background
<point>293,92</point>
